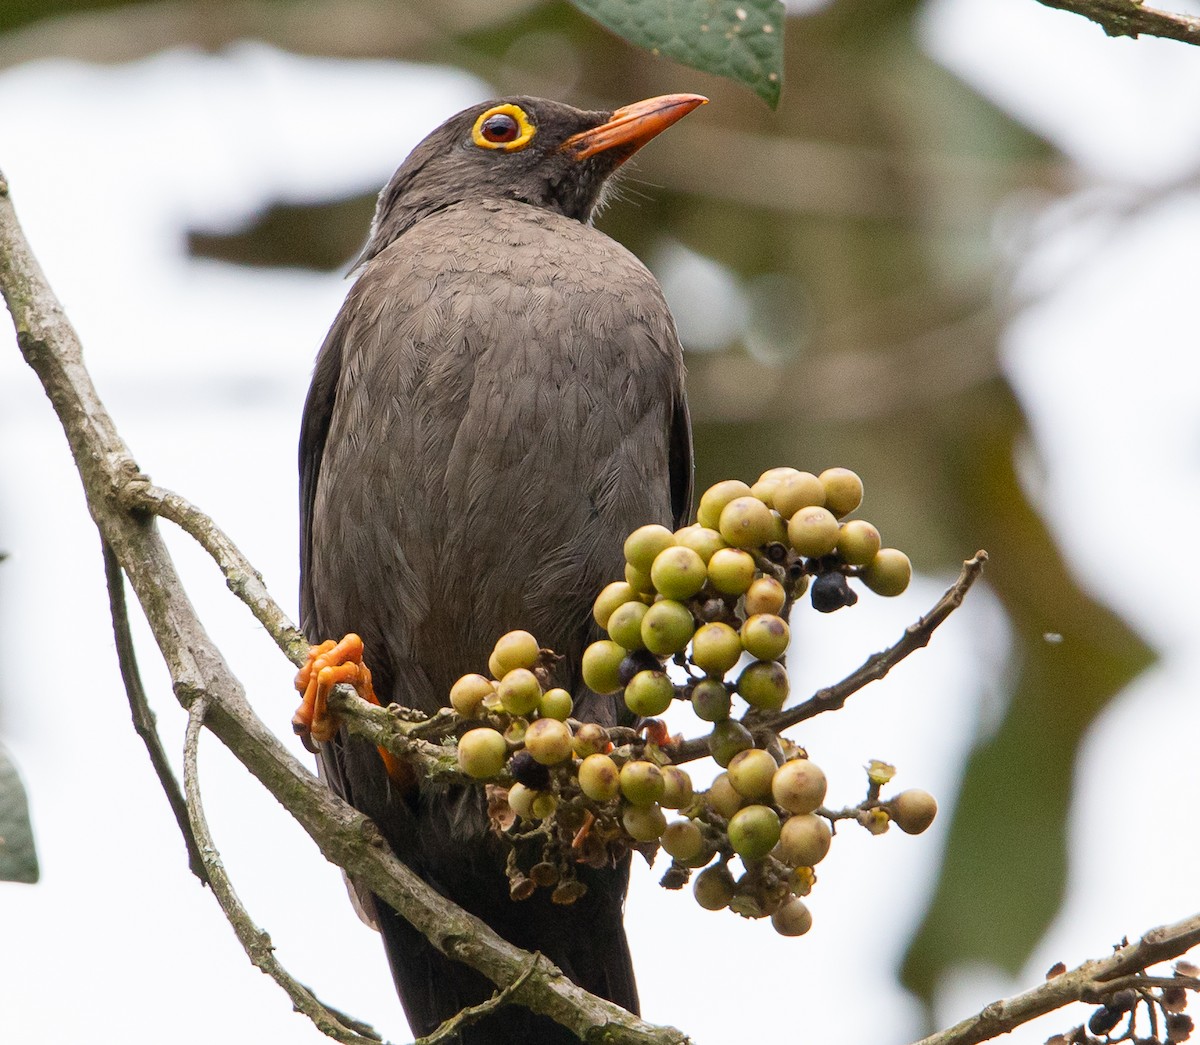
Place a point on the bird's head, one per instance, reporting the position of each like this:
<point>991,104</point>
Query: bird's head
<point>531,150</point>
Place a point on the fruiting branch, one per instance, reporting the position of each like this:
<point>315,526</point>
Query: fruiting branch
<point>915,637</point>
<point>1093,981</point>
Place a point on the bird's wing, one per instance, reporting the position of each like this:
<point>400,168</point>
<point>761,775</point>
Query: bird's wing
<point>314,429</point>
<point>681,462</point>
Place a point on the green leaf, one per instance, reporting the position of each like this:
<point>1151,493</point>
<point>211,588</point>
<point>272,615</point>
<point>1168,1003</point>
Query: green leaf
<point>739,39</point>
<point>18,858</point>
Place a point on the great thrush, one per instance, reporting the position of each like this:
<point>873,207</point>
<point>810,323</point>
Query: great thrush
<point>499,402</point>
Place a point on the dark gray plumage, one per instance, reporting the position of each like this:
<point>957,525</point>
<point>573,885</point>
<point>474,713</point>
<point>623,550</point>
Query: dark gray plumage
<point>499,402</point>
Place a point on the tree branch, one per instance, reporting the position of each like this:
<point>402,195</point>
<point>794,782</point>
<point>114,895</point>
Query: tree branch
<point>240,576</point>
<point>1091,981</point>
<point>916,636</point>
<point>198,671</point>
<point>145,725</point>
<point>256,943</point>
<point>1131,18</point>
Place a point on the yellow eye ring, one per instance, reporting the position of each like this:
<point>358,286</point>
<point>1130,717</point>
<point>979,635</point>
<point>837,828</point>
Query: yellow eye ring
<point>503,127</point>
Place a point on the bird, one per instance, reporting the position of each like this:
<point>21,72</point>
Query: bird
<point>498,403</point>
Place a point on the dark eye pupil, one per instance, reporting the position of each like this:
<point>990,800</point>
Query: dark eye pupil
<point>500,128</point>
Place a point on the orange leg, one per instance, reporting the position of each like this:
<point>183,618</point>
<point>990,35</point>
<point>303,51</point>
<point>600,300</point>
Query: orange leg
<point>330,664</point>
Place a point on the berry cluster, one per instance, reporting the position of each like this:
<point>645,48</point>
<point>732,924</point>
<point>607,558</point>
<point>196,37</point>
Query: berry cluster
<point>714,598</point>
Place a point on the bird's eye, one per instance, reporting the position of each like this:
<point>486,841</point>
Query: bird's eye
<point>504,127</point>
<point>500,128</point>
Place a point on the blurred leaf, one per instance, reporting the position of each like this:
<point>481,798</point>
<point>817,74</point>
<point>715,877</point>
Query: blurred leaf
<point>18,857</point>
<point>738,39</point>
<point>1004,873</point>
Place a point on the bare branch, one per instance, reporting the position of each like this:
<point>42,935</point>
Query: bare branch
<point>1131,18</point>
<point>916,636</point>
<point>198,671</point>
<point>1091,981</point>
<point>144,722</point>
<point>241,577</point>
<point>256,943</point>
<point>474,1013</point>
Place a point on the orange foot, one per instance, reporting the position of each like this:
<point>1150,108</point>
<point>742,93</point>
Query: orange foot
<point>329,665</point>
<point>657,733</point>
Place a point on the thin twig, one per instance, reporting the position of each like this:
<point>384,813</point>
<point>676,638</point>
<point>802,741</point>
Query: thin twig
<point>1090,981</point>
<point>145,724</point>
<point>256,943</point>
<point>915,637</point>
<point>1132,18</point>
<point>240,576</point>
<point>473,1013</point>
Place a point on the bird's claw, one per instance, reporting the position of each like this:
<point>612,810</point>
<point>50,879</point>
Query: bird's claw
<point>329,664</point>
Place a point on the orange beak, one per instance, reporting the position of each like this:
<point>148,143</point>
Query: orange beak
<point>630,127</point>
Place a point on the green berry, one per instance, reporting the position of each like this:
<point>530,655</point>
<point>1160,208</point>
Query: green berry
<point>544,805</point>
<point>639,580</point>
<point>722,797</point>
<point>913,810</point>
<point>764,685</point>
<point>727,739</point>
<point>517,649</point>
<point>548,741</point>
<point>799,786</point>
<point>599,778</point>
<point>843,490</point>
<point>703,541</point>
<point>731,571</point>
<point>800,490</point>
<point>625,625</point>
<point>649,693</point>
<point>677,788</point>
<point>715,648</point>
<point>556,703</point>
<point>482,753</point>
<point>601,666</point>
<point>590,739</point>
<point>766,484</point>
<point>813,532</point>
<point>754,831</point>
<point>765,636</point>
<point>643,823</point>
<point>746,522</point>
<point>713,888</point>
<point>520,691</point>
<point>804,840</point>
<point>793,918</point>
<point>520,800</point>
<point>765,595</point>
<point>667,627</point>
<point>678,573</point>
<point>682,840</point>
<point>858,542</point>
<point>750,772</point>
<point>468,693</point>
<point>710,700</point>
<point>613,595</point>
<point>642,783</point>
<point>888,573</point>
<point>645,543</point>
<point>714,499</point>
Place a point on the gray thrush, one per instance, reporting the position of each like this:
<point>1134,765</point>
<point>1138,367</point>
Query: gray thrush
<point>499,402</point>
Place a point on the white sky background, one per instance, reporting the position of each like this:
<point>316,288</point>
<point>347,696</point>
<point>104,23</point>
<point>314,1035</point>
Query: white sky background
<point>204,367</point>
